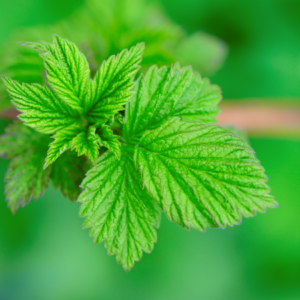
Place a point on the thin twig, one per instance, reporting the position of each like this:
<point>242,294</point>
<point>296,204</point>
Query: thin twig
<point>259,117</point>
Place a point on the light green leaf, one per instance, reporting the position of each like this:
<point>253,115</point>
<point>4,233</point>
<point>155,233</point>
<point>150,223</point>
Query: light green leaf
<point>84,140</point>
<point>67,70</point>
<point>203,51</point>
<point>65,108</point>
<point>202,175</point>
<point>44,49</point>
<point>87,143</point>
<point>119,211</point>
<point>25,178</point>
<point>113,84</point>
<point>109,140</point>
<point>62,142</point>
<point>168,92</point>
<point>40,107</point>
<point>67,173</point>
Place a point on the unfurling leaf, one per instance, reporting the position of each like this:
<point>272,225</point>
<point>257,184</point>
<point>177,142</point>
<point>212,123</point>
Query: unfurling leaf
<point>88,143</point>
<point>109,140</point>
<point>62,142</point>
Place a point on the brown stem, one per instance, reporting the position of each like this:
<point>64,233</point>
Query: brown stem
<point>262,118</point>
<point>9,114</point>
<point>259,117</point>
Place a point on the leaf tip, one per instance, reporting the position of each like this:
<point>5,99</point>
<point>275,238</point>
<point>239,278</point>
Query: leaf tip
<point>46,164</point>
<point>24,44</point>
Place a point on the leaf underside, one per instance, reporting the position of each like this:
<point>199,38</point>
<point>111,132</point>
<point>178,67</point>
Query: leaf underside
<point>26,179</point>
<point>67,173</point>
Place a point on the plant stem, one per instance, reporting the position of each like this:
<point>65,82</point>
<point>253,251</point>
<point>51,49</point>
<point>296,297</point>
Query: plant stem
<point>259,117</point>
<point>9,114</point>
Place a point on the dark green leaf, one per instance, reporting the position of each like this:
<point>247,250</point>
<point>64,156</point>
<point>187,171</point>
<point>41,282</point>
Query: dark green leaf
<point>67,173</point>
<point>25,178</point>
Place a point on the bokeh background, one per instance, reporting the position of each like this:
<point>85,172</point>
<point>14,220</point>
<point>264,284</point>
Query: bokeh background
<point>44,253</point>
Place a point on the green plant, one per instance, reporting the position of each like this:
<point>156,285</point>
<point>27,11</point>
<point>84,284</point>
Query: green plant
<point>105,28</point>
<point>150,143</point>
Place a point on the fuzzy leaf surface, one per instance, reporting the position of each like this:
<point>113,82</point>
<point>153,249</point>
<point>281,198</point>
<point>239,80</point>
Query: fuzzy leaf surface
<point>202,176</point>
<point>169,92</point>
<point>119,211</point>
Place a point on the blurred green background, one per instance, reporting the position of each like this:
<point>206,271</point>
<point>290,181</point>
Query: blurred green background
<point>44,254</point>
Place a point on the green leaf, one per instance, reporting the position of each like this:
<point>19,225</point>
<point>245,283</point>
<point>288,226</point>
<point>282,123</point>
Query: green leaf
<point>168,92</point>
<point>138,21</point>
<point>88,143</point>
<point>203,51</point>
<point>40,107</point>
<point>67,173</point>
<point>25,178</point>
<point>66,108</point>
<point>67,70</point>
<point>202,175</point>
<point>113,84</point>
<point>62,142</point>
<point>19,63</point>
<point>109,140</point>
<point>238,132</point>
<point>119,211</point>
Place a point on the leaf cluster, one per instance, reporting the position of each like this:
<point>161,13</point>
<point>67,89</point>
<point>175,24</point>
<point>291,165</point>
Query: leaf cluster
<point>152,141</point>
<point>26,179</point>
